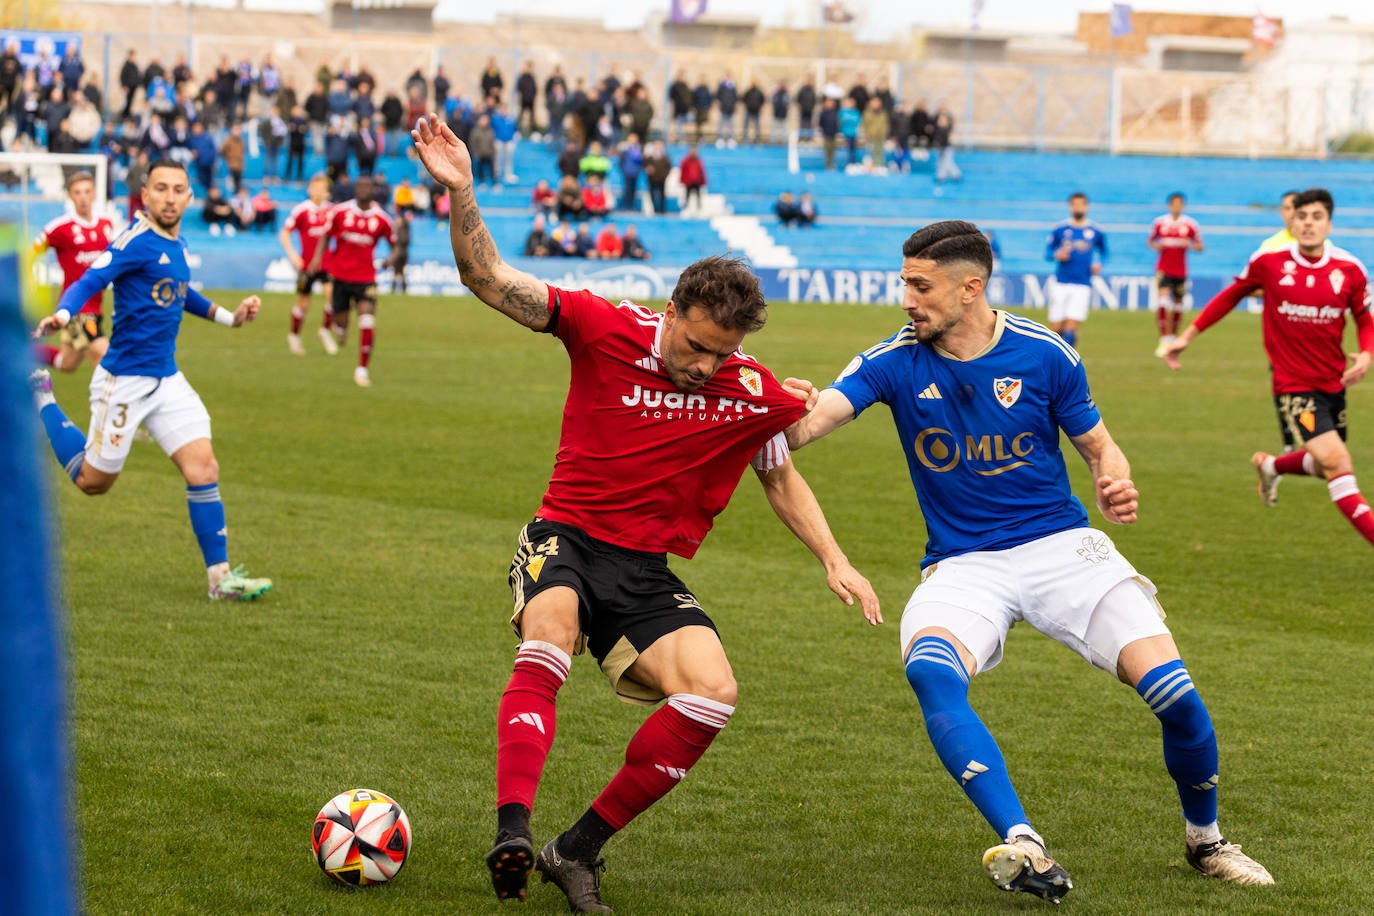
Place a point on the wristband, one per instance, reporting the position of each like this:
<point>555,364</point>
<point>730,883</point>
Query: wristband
<point>224,317</point>
<point>63,316</point>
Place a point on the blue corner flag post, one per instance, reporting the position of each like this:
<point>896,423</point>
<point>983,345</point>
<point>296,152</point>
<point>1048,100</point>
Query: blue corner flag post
<point>36,853</point>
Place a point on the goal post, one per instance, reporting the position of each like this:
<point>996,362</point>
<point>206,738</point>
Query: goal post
<point>33,186</point>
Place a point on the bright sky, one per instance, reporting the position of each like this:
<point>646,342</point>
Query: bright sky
<point>1046,15</point>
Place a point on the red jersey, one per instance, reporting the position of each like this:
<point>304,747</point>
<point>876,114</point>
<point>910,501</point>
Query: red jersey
<point>356,233</point>
<point>641,464</point>
<point>1176,236</point>
<point>77,244</point>
<point>310,222</point>
<point>1305,304</point>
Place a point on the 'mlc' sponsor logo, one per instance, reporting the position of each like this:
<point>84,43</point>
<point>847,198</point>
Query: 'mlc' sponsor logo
<point>941,450</point>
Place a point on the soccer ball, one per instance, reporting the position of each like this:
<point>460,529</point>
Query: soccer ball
<point>361,837</point>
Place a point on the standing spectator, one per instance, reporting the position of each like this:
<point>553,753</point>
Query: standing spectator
<point>631,248</point>
<point>154,71</point>
<point>417,84</point>
<point>806,210</point>
<point>945,169</point>
<point>577,101</point>
<point>264,211</point>
<point>527,90</point>
<point>365,147</point>
<point>544,199</point>
<point>680,107</point>
<point>692,175</point>
<point>399,257</point>
<point>569,161</point>
<point>491,82</point>
<point>569,199</point>
<point>181,73</point>
<point>482,145</point>
<point>336,153</point>
<point>363,104</point>
<point>657,166</point>
<point>631,167</point>
<point>594,163</point>
<point>727,97</point>
<point>850,120</point>
<point>339,101</point>
<point>556,105</point>
<point>297,132</point>
<point>782,103</point>
<point>596,203</point>
<point>442,87</point>
<point>84,122</point>
<point>537,243</point>
<point>641,111</point>
<point>608,244</point>
<point>243,88</point>
<point>393,122</point>
<point>11,76</point>
<point>204,154</point>
<point>829,123</point>
<point>415,108</point>
<point>507,139</point>
<point>55,111</point>
<point>232,151</point>
<point>921,125</point>
<point>269,80</point>
<point>317,113</point>
<point>901,138</point>
<point>91,90</point>
<point>754,100</point>
<point>701,105</point>
<point>884,94</point>
<point>130,78</point>
<point>28,104</point>
<point>806,106</point>
<point>134,180</point>
<point>860,95</point>
<point>273,132</point>
<point>876,125</point>
<point>72,69</point>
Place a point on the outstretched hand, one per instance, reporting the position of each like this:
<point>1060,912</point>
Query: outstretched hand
<point>444,155</point>
<point>1118,500</point>
<point>848,583</point>
<point>48,324</point>
<point>1171,352</point>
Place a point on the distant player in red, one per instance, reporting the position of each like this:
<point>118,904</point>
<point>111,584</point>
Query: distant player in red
<point>1308,289</point>
<point>664,414</point>
<point>355,227</point>
<point>1173,235</point>
<point>308,220</point>
<point>77,238</point>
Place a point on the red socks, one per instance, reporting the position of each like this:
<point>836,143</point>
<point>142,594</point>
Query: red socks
<point>297,316</point>
<point>366,323</point>
<point>46,354</point>
<point>1162,320</point>
<point>1346,495</point>
<point>525,721</point>
<point>1175,319</point>
<point>1298,462</point>
<point>659,755</point>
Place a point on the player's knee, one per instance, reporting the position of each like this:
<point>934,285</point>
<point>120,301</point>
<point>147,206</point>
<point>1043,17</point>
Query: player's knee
<point>716,685</point>
<point>202,472</point>
<point>94,487</point>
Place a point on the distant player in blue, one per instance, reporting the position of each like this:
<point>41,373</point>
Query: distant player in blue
<point>979,397</point>
<point>1072,244</point>
<point>137,381</point>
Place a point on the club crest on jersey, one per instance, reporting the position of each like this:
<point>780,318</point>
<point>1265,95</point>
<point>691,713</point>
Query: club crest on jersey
<point>1007,390</point>
<point>751,380</point>
<point>1337,280</point>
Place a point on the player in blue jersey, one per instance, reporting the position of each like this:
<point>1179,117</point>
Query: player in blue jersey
<point>137,381</point>
<point>1071,245</point>
<point>979,397</point>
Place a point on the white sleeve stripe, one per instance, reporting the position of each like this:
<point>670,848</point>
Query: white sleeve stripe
<point>774,453</point>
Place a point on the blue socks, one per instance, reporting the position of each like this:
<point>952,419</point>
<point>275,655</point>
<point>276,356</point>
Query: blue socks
<point>962,742</point>
<point>1070,337</point>
<point>207,521</point>
<point>1190,744</point>
<point>68,443</point>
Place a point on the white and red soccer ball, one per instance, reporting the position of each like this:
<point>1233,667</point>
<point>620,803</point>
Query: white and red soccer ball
<point>361,837</point>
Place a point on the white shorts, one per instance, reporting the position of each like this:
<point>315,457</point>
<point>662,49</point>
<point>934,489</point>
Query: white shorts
<point>1069,301</point>
<point>1054,584</point>
<point>168,408</point>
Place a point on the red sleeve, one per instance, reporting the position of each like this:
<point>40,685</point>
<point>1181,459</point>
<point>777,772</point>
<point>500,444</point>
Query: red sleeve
<point>580,316</point>
<point>1226,300</point>
<point>1364,320</point>
<point>1154,230</point>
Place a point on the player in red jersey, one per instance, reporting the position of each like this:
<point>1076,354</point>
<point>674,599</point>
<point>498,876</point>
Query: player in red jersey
<point>77,238</point>
<point>355,227</point>
<point>1173,235</point>
<point>309,220</point>
<point>1308,288</point>
<point>664,413</point>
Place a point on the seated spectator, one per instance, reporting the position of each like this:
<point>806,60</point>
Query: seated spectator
<point>218,213</point>
<point>569,161</point>
<point>538,243</point>
<point>264,211</point>
<point>404,199</point>
<point>569,199</point>
<point>608,246</point>
<point>786,209</point>
<point>544,199</point>
<point>594,163</point>
<point>565,240</point>
<point>806,210</point>
<point>242,202</point>
<point>585,244</point>
<point>631,247</point>
<point>595,201</point>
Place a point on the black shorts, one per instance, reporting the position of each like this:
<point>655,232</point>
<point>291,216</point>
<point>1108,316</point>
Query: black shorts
<point>82,329</point>
<point>628,599</point>
<point>1174,286</point>
<point>1308,414</point>
<point>306,280</point>
<point>346,295</point>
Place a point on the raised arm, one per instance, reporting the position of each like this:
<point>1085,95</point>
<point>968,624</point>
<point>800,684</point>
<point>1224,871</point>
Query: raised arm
<point>829,412</point>
<point>1117,497</point>
<point>512,292</point>
<point>792,500</point>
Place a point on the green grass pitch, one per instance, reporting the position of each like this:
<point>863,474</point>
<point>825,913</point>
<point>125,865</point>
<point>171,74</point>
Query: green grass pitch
<point>207,736</point>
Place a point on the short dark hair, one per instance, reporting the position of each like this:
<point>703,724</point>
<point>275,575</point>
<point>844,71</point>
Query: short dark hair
<point>1291,192</point>
<point>950,241</point>
<point>1077,194</point>
<point>726,290</point>
<point>167,162</point>
<point>1177,195</point>
<point>1316,196</point>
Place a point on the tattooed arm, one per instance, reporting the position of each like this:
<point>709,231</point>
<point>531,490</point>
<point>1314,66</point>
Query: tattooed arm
<point>512,292</point>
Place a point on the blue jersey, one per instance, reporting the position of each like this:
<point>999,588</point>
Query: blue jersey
<point>152,286</point>
<point>1084,240</point>
<point>981,436</point>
